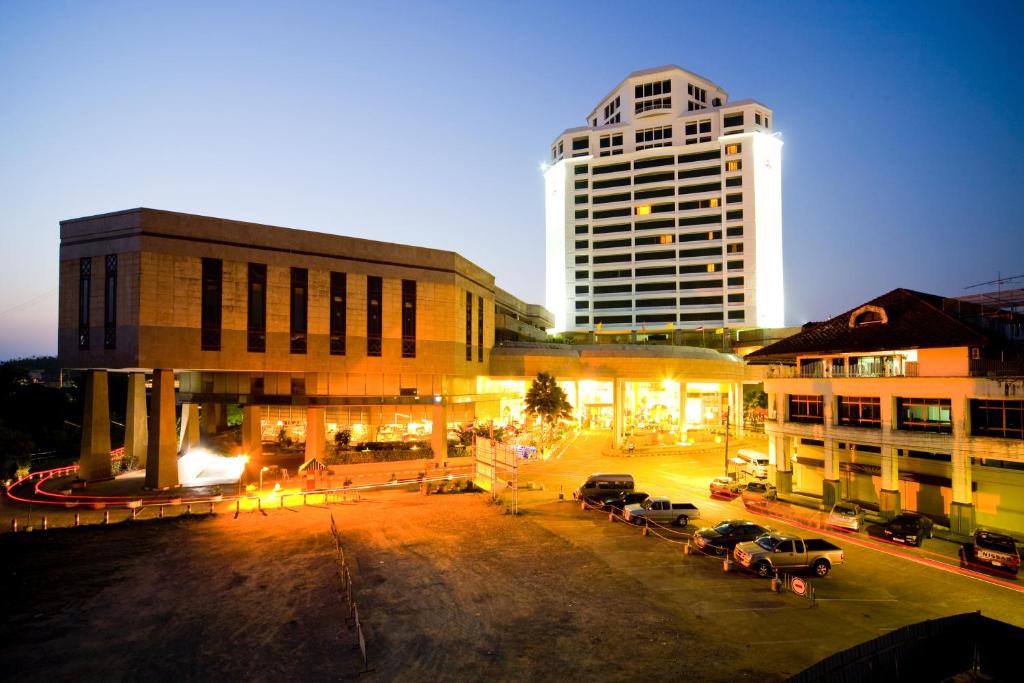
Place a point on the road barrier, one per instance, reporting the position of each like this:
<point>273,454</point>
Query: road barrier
<point>345,576</point>
<point>796,585</point>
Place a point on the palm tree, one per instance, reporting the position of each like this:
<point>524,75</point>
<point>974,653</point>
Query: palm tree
<point>546,400</point>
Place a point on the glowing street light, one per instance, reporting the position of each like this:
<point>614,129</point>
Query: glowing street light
<point>265,468</point>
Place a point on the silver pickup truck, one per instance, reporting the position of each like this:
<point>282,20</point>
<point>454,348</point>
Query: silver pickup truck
<point>774,552</point>
<point>662,510</point>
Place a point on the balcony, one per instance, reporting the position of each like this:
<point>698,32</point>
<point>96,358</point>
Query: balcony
<point>821,370</point>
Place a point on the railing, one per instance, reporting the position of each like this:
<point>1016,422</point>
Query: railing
<point>818,371</point>
<point>987,367</point>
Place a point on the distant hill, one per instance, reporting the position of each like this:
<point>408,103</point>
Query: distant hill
<point>46,366</point>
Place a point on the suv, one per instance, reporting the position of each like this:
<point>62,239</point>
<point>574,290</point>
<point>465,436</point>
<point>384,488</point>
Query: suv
<point>907,527</point>
<point>991,551</point>
<point>848,516</point>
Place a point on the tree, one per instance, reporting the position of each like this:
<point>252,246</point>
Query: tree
<point>546,400</point>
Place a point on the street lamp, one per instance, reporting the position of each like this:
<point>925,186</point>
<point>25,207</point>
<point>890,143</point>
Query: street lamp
<point>265,468</point>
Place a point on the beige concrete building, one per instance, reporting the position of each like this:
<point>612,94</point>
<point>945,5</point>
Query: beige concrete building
<point>911,401</point>
<point>312,333</point>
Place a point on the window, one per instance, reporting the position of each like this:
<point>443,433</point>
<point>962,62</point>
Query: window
<point>734,198</point>
<point>699,172</point>
<point>374,314</point>
<point>582,274</point>
<point>734,215</point>
<point>712,203</point>
<point>614,289</point>
<point>610,110</point>
<point>736,298</point>
<point>701,236</point>
<point>469,323</point>
<point>613,319</point>
<point>609,198</point>
<point>582,289</point>
<point>733,165</point>
<point>582,213</point>
<point>657,90</point>
<point>408,318</point>
<point>610,143</point>
<point>298,386</point>
<point>582,258</point>
<point>580,143</point>
<point>582,229</point>
<point>652,194</point>
<point>701,284</point>
<point>654,178</point>
<point>733,120</point>
<point>697,253</point>
<point>699,156</point>
<point>582,244</point>
<point>656,270</point>
<point>648,138</point>
<point>704,187</point>
<point>613,258</point>
<point>581,184</point>
<point>653,162</point>
<point>582,305</point>
<point>860,411</point>
<point>611,168</point>
<point>299,310</point>
<point>621,303</point>
<point>655,255</point>
<point>84,284</point>
<point>734,265</point>
<point>610,274</point>
<point>256,318</point>
<point>655,287</point>
<point>734,232</point>
<point>211,295</point>
<point>997,417</point>
<point>583,320</point>
<point>701,268</point>
<point>582,199</point>
<point>655,303</point>
<point>656,224</point>
<point>698,131</point>
<point>924,415</point>
<point>734,148</point>
<point>734,248</point>
<point>736,315</point>
<point>707,316</point>
<point>806,408</point>
<point>615,227</point>
<point>736,181</point>
<point>701,301</point>
<point>736,282</point>
<point>611,244</point>
<point>643,210</point>
<point>707,219</point>
<point>612,213</point>
<point>110,303</point>
<point>757,117</point>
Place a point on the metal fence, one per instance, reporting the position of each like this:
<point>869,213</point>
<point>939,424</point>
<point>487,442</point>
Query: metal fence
<point>934,650</point>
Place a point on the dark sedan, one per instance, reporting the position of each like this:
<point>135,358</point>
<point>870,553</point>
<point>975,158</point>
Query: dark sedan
<point>726,535</point>
<point>908,527</point>
<point>619,502</point>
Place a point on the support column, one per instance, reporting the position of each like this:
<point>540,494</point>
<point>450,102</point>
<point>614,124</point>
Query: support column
<point>316,432</point>
<point>783,463</point>
<point>222,416</point>
<point>209,418</point>
<point>889,499</point>
<point>136,431</point>
<point>94,453</point>
<point>830,487</point>
<point>162,451</point>
<point>252,432</point>
<point>439,431</point>
<point>961,508</point>
<point>682,412</point>
<point>189,436</point>
<point>617,391</point>
<point>737,409</point>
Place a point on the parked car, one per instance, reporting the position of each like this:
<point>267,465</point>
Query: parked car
<point>907,527</point>
<point>618,503</point>
<point>725,487</point>
<point>772,552</point>
<point>990,550</point>
<point>722,538</point>
<point>847,516</point>
<point>662,510</point>
<point>758,493</point>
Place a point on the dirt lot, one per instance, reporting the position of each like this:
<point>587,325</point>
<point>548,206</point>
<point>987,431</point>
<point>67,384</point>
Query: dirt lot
<point>449,588</point>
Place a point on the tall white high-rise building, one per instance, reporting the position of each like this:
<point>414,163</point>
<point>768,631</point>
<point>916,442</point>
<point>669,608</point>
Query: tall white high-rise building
<point>665,210</point>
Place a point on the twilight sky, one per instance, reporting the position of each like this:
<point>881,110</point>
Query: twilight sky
<point>425,123</point>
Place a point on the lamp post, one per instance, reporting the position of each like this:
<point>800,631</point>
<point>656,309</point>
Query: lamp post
<point>264,469</point>
<point>726,441</point>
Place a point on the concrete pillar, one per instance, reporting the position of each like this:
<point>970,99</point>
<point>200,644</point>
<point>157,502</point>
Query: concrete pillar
<point>252,432</point>
<point>889,497</point>
<point>961,508</point>
<point>136,429</point>
<point>209,418</point>
<point>831,486</point>
<point>222,416</point>
<point>316,432</point>
<point>682,412</point>
<point>189,427</point>
<point>737,409</point>
<point>783,463</point>
<point>94,453</point>
<point>162,451</point>
<point>439,431</point>
<point>617,395</point>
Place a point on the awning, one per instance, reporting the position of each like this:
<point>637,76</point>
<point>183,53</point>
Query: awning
<point>312,465</point>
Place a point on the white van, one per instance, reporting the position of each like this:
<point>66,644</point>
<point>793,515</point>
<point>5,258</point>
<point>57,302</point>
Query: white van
<point>752,463</point>
<point>599,486</point>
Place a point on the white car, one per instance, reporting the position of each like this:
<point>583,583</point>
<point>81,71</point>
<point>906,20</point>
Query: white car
<point>848,516</point>
<point>724,486</point>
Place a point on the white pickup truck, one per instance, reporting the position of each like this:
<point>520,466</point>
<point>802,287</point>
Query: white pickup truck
<point>662,510</point>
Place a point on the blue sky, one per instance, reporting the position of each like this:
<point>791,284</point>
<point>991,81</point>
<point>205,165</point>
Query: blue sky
<point>425,123</point>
